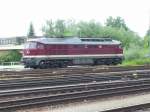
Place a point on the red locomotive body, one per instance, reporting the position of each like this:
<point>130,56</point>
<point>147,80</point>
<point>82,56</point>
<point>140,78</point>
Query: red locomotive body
<point>61,52</point>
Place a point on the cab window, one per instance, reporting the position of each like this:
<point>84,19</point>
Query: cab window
<point>40,46</point>
<point>30,45</point>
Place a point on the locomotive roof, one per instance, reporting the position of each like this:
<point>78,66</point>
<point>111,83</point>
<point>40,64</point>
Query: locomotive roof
<point>75,40</point>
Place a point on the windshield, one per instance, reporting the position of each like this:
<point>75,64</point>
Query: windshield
<point>30,45</point>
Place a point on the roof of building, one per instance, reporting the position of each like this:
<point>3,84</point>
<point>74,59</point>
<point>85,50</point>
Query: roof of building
<point>75,40</point>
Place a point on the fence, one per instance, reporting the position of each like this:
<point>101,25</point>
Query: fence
<point>9,63</point>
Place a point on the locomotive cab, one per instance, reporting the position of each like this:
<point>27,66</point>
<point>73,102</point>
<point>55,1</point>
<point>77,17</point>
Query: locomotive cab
<point>31,49</point>
<point>34,48</point>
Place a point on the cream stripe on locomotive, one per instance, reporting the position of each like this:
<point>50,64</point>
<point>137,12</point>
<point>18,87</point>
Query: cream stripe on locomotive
<point>75,56</point>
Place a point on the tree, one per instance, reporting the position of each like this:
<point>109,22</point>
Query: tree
<point>89,29</point>
<point>54,29</point>
<point>31,31</point>
<point>71,28</point>
<point>147,39</point>
<point>115,29</point>
<point>148,32</point>
<point>60,28</point>
<point>48,29</point>
<point>117,22</point>
<point>127,38</point>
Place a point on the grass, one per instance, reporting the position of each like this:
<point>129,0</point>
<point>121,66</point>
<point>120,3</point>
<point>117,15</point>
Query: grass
<point>144,61</point>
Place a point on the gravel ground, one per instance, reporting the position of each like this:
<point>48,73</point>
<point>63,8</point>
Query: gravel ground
<point>95,105</point>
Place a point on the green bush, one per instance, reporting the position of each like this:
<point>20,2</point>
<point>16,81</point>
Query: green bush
<point>136,56</point>
<point>9,56</point>
<point>132,53</point>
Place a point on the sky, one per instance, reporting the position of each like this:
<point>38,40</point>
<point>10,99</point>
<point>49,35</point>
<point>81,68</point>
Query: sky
<point>16,15</point>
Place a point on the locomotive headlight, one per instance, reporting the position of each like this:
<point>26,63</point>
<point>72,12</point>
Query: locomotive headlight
<point>99,46</point>
<point>28,52</point>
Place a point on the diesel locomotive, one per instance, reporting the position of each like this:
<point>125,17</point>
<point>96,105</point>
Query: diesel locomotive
<point>62,52</point>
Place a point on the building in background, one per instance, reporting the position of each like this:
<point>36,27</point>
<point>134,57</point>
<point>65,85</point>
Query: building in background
<point>13,41</point>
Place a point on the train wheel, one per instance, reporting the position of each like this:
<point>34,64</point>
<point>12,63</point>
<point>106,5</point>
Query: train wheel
<point>115,62</point>
<point>62,65</point>
<point>35,67</point>
<point>42,65</point>
<point>95,62</point>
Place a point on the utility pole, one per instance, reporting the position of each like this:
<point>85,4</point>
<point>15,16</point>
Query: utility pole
<point>149,20</point>
<point>148,31</point>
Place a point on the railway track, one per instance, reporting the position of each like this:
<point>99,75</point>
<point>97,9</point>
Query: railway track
<point>39,87</point>
<point>123,74</point>
<point>72,79</point>
<point>67,71</point>
<point>10,84</point>
<point>73,93</point>
<point>63,89</point>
